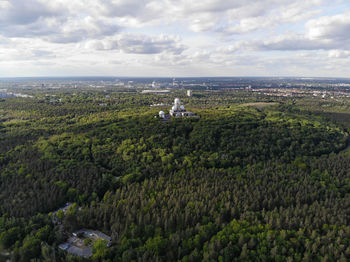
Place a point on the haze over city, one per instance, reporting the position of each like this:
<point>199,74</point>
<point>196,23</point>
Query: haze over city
<point>174,38</point>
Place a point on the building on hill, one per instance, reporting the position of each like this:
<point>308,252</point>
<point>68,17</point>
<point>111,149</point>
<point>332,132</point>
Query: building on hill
<point>178,110</point>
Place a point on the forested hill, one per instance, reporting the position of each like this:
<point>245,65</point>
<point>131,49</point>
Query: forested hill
<point>245,182</point>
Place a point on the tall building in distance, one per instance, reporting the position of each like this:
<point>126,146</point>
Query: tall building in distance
<point>189,93</point>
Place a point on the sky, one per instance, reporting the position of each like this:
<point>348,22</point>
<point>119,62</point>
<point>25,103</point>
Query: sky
<point>174,38</point>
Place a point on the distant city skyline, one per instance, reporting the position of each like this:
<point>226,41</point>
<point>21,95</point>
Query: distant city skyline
<point>166,38</point>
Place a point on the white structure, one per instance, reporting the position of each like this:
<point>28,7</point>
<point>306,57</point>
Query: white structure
<point>161,114</point>
<point>178,110</point>
<point>189,93</point>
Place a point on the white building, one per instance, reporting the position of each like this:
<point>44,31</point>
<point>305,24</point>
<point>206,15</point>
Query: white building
<point>154,84</point>
<point>178,110</point>
<point>161,114</point>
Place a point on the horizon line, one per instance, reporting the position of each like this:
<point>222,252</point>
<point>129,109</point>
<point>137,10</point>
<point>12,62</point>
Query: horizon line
<point>166,77</point>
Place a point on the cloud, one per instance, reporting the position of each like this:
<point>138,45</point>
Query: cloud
<point>241,17</point>
<point>11,54</point>
<point>209,36</point>
<point>323,33</point>
<point>125,12</point>
<point>123,8</point>
<point>21,12</point>
<point>338,54</point>
<point>140,44</point>
<point>65,21</point>
<point>52,22</point>
<point>76,30</point>
<point>291,42</point>
<point>336,28</point>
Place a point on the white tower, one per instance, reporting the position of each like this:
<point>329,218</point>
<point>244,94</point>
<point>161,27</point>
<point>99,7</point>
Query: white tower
<point>177,108</point>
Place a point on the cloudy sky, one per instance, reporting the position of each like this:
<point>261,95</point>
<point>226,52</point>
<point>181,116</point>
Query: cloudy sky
<point>175,38</point>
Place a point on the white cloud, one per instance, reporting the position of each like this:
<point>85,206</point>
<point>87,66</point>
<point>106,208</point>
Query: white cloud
<point>30,18</point>
<point>21,12</point>
<point>335,27</point>
<point>338,54</point>
<point>83,29</point>
<point>139,44</point>
<point>326,33</point>
<point>236,17</point>
<point>209,36</point>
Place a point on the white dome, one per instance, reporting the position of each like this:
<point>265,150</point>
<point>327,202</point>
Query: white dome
<point>177,101</point>
<point>161,114</point>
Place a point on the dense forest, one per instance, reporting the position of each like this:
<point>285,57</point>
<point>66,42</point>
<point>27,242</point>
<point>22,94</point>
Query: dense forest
<point>254,178</point>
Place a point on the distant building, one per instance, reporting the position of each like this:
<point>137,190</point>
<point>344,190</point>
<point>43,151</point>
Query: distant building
<point>161,114</point>
<point>75,244</point>
<point>154,91</point>
<point>178,110</point>
<point>189,93</point>
<point>155,85</point>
